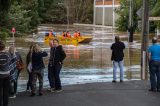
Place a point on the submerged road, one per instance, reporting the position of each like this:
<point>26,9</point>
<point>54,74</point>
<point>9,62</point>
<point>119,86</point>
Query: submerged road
<point>131,93</point>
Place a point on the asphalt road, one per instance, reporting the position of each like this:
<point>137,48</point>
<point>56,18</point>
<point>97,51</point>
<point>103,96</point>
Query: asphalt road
<point>132,93</point>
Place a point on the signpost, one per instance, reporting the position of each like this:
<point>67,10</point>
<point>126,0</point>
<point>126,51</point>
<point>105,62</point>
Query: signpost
<point>154,18</point>
<point>13,32</point>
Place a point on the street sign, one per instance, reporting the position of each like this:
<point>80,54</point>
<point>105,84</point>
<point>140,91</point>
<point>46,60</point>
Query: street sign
<point>13,30</point>
<point>139,13</point>
<point>154,18</point>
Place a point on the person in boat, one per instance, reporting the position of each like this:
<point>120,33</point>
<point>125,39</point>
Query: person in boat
<point>51,34</point>
<point>68,34</point>
<point>75,35</point>
<point>78,34</point>
<point>64,34</point>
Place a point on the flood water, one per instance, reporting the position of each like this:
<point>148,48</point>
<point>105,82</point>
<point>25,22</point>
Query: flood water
<point>87,63</point>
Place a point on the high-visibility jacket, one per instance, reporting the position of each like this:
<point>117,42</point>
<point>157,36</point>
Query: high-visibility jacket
<point>50,35</point>
<point>68,35</point>
<point>63,35</point>
<point>75,35</point>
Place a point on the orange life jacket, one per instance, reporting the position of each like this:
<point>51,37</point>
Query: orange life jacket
<point>75,35</point>
<point>68,35</point>
<point>50,35</point>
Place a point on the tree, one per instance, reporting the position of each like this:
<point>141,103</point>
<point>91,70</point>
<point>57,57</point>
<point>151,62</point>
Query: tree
<point>54,12</point>
<point>32,7</point>
<point>4,8</point>
<point>155,11</point>
<point>18,18</point>
<point>81,11</point>
<point>123,12</point>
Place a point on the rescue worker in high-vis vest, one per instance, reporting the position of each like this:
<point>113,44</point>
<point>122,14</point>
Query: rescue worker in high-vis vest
<point>63,34</point>
<point>75,34</point>
<point>78,34</point>
<point>51,35</point>
<point>68,34</point>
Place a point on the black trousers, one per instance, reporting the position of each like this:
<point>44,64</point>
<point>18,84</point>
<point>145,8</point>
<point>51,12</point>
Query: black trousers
<point>29,83</point>
<point>53,76</point>
<point>4,91</point>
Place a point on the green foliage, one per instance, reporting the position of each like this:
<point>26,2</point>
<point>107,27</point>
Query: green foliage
<point>4,8</point>
<point>32,7</point>
<point>155,11</point>
<point>122,23</point>
<point>54,12</point>
<point>18,18</point>
<point>123,12</point>
<point>3,35</point>
<point>25,15</point>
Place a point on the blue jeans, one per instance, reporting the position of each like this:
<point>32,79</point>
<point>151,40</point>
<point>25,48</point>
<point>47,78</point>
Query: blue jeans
<point>117,64</point>
<point>53,76</point>
<point>154,67</point>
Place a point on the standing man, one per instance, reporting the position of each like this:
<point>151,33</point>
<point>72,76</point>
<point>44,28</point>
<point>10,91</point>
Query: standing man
<point>117,58</point>
<point>154,65</point>
<point>57,55</point>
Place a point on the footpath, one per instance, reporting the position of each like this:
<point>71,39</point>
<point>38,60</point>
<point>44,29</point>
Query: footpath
<point>130,93</point>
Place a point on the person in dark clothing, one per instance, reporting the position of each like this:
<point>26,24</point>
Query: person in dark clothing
<point>57,55</point>
<point>154,65</point>
<point>28,60</point>
<point>37,69</point>
<point>117,58</point>
<point>4,75</point>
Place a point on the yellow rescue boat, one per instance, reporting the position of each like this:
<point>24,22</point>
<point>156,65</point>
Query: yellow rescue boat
<point>69,41</point>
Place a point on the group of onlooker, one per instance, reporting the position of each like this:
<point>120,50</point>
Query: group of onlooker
<point>11,65</point>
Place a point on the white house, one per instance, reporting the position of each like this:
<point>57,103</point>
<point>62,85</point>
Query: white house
<point>103,12</point>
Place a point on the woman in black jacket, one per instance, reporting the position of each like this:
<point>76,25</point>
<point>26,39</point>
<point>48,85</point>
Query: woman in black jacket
<point>57,55</point>
<point>37,68</point>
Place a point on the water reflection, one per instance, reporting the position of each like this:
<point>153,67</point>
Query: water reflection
<point>87,63</point>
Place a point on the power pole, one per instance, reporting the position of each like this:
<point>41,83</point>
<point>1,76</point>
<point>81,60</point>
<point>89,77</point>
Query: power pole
<point>130,29</point>
<point>144,69</point>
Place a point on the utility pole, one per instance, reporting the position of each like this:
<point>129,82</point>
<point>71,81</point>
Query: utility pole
<point>67,16</point>
<point>130,29</point>
<point>144,69</point>
<point>113,17</point>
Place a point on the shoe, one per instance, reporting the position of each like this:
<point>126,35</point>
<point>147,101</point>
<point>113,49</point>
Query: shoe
<point>121,81</point>
<point>152,90</point>
<point>40,94</point>
<point>33,94</point>
<point>51,89</point>
<point>114,81</point>
<point>12,97</point>
<point>59,90</point>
